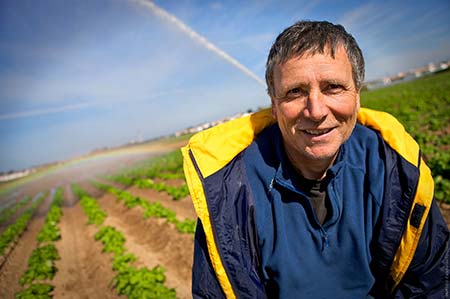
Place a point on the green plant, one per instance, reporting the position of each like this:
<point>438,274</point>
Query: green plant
<point>423,107</point>
<point>40,264</point>
<point>139,283</point>
<point>36,291</point>
<point>112,240</point>
<point>9,212</point>
<point>92,209</point>
<point>15,230</point>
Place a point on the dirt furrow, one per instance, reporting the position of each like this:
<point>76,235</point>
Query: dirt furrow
<point>17,260</point>
<point>4,225</point>
<point>183,207</point>
<point>83,271</point>
<point>154,242</point>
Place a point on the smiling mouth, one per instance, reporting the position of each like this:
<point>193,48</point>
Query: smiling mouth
<point>317,132</point>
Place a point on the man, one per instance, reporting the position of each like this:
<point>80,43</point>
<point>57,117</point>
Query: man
<point>316,198</point>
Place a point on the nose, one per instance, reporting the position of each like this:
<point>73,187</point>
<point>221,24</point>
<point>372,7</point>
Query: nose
<point>316,108</point>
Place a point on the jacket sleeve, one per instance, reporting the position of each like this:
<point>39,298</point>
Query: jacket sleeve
<point>204,281</point>
<point>428,276</point>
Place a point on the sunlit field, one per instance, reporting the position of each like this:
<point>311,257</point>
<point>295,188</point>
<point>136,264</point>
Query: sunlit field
<point>122,225</point>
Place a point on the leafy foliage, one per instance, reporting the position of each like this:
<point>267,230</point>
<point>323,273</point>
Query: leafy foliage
<point>423,107</point>
<point>112,240</point>
<point>36,291</point>
<point>9,212</point>
<point>50,232</point>
<point>139,283</point>
<point>90,206</point>
<point>168,166</point>
<point>40,264</point>
<point>150,209</point>
<point>176,192</point>
<point>15,230</point>
<point>130,281</point>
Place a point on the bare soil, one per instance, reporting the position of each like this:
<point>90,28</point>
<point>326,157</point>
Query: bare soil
<point>84,271</point>
<point>16,262</point>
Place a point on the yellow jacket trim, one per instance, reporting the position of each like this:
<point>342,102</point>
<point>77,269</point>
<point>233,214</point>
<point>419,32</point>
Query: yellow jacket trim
<point>396,136</point>
<point>212,149</point>
<point>411,236</point>
<point>392,132</point>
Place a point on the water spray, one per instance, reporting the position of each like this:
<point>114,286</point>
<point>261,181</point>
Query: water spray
<point>199,38</point>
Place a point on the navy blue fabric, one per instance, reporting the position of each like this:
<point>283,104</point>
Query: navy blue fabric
<point>204,280</point>
<point>301,258</point>
<point>234,214</point>
<point>428,276</point>
<point>398,200</point>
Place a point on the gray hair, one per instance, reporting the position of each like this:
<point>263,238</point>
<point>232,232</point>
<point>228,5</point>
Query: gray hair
<point>313,37</point>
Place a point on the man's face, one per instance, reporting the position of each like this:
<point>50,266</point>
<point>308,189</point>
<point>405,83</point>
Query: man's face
<point>315,105</point>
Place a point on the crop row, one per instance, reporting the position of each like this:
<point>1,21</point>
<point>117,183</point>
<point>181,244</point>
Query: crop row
<point>13,232</point>
<point>168,166</point>
<point>423,107</point>
<point>41,264</point>
<point>8,212</point>
<point>130,281</point>
<point>176,192</point>
<point>150,209</point>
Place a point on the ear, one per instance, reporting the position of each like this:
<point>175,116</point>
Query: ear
<point>358,103</point>
<point>274,109</point>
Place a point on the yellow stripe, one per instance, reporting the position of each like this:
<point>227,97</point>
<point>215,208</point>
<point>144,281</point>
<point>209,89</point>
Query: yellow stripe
<point>392,132</point>
<point>411,236</point>
<point>396,136</point>
<point>215,147</point>
<point>199,200</point>
<point>212,150</point>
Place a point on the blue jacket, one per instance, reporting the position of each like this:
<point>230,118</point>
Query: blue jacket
<point>409,248</point>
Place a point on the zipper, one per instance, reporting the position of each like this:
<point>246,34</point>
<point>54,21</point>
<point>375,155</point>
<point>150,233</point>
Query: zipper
<point>324,235</point>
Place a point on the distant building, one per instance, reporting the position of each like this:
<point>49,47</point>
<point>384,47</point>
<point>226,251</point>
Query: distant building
<point>15,175</point>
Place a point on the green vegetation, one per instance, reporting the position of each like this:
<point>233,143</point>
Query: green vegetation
<point>176,192</point>
<point>9,212</point>
<point>130,281</point>
<point>13,232</point>
<point>50,232</point>
<point>150,209</point>
<point>41,264</point>
<point>423,107</point>
<point>90,206</point>
<point>36,291</point>
<point>166,167</point>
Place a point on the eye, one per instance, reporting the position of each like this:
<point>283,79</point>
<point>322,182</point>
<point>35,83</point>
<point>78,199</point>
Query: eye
<point>333,88</point>
<point>295,93</point>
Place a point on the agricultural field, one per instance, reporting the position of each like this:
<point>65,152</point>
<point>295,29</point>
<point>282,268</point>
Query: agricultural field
<point>122,226</point>
<point>71,235</point>
<point>423,107</point>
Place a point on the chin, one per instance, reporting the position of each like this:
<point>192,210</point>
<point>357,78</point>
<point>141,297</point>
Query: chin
<point>320,154</point>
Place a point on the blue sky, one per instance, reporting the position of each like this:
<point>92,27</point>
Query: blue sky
<point>80,75</point>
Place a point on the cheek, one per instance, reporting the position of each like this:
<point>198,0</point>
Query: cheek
<point>346,113</point>
<point>289,111</point>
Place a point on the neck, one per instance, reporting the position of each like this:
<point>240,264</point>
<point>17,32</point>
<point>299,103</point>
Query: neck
<point>312,169</point>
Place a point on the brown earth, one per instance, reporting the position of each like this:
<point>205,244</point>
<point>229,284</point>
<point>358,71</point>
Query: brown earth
<point>16,262</point>
<point>153,241</point>
<point>84,271</point>
<point>4,225</point>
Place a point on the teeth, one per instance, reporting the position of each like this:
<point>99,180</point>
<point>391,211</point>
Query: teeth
<point>317,132</point>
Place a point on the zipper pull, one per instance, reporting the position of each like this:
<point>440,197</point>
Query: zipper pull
<point>325,243</point>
